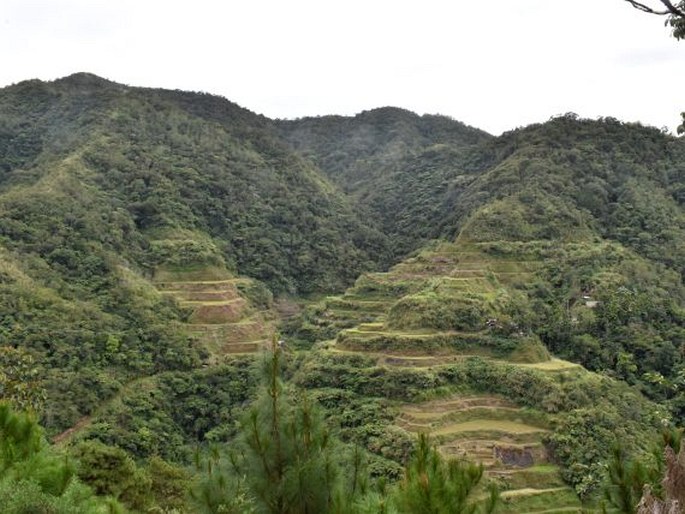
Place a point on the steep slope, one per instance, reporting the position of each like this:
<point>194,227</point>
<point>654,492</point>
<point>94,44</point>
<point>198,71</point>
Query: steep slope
<point>169,159</point>
<point>373,153</point>
<point>104,188</point>
<point>143,232</point>
<point>619,181</point>
<point>355,150</point>
<point>450,338</point>
<point>571,234</point>
<point>571,177</point>
<point>590,183</point>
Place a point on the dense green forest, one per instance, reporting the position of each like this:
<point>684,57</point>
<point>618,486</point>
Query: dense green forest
<point>204,310</point>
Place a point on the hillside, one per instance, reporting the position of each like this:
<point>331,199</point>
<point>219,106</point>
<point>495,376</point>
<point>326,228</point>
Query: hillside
<point>566,181</point>
<point>451,339</point>
<point>373,157</point>
<point>569,240</point>
<point>520,297</point>
<point>104,189</point>
<point>565,178</point>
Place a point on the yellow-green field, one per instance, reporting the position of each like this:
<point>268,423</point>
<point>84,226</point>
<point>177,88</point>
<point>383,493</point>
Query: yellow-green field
<point>220,318</point>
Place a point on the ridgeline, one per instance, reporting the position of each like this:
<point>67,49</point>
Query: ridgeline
<point>520,298</point>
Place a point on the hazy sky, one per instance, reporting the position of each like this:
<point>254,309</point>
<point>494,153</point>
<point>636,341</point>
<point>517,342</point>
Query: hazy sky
<point>494,64</point>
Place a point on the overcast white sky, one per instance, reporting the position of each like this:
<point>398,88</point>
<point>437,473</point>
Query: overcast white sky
<point>494,64</point>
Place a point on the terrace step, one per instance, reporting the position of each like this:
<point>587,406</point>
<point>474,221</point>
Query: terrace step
<point>221,320</point>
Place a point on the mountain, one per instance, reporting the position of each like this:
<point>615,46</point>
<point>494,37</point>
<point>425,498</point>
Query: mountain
<point>448,342</point>
<point>163,159</point>
<point>565,237</point>
<point>106,190</point>
<point>394,164</point>
<point>567,176</point>
<point>520,297</point>
<point>566,181</point>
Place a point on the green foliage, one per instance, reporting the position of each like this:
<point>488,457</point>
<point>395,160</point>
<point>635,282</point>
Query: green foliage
<point>33,478</point>
<point>628,480</point>
<point>110,471</point>
<point>20,380</point>
<point>103,186</point>
<point>587,412</point>
<point>625,482</point>
<point>257,293</point>
<point>677,21</point>
<point>566,179</point>
<point>288,458</point>
<point>433,485</point>
<point>176,411</point>
<point>216,490</point>
<point>21,438</point>
<point>285,461</point>
<point>574,230</point>
<point>392,162</point>
<point>181,253</point>
<point>439,312</point>
<point>169,485</point>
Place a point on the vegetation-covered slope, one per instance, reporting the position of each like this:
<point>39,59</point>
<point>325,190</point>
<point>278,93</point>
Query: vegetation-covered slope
<point>373,156</point>
<point>456,331</point>
<point>179,160</point>
<point>103,187</point>
<point>562,179</point>
<point>144,233</point>
<point>606,186</point>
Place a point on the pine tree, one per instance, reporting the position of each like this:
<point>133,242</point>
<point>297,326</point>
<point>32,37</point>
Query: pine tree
<point>285,461</point>
<point>629,480</point>
<point>33,478</point>
<point>287,456</point>
<point>434,485</point>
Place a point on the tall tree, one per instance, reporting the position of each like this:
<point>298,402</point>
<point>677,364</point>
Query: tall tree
<point>286,462</point>
<point>434,485</point>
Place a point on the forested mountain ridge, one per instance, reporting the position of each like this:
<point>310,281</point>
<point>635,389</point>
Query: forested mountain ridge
<point>607,194</point>
<point>353,149</point>
<point>102,187</point>
<point>373,157</point>
<point>144,234</point>
<point>569,234</point>
<point>610,179</point>
<point>144,148</point>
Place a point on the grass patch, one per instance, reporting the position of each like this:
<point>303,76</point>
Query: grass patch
<point>488,426</point>
<point>530,500</point>
<point>481,414</point>
<point>553,364</point>
<point>198,273</point>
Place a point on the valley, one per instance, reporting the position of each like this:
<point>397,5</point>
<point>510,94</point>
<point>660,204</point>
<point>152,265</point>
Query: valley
<point>178,273</point>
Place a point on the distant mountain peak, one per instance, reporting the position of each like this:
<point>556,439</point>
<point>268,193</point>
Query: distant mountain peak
<point>83,78</point>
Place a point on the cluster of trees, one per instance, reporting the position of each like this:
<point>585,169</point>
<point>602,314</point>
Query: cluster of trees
<point>100,185</point>
<point>284,459</point>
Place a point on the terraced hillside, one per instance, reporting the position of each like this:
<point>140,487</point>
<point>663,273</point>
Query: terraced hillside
<point>223,321</point>
<point>507,439</point>
<point>446,319</point>
<point>221,318</point>
<point>447,303</point>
